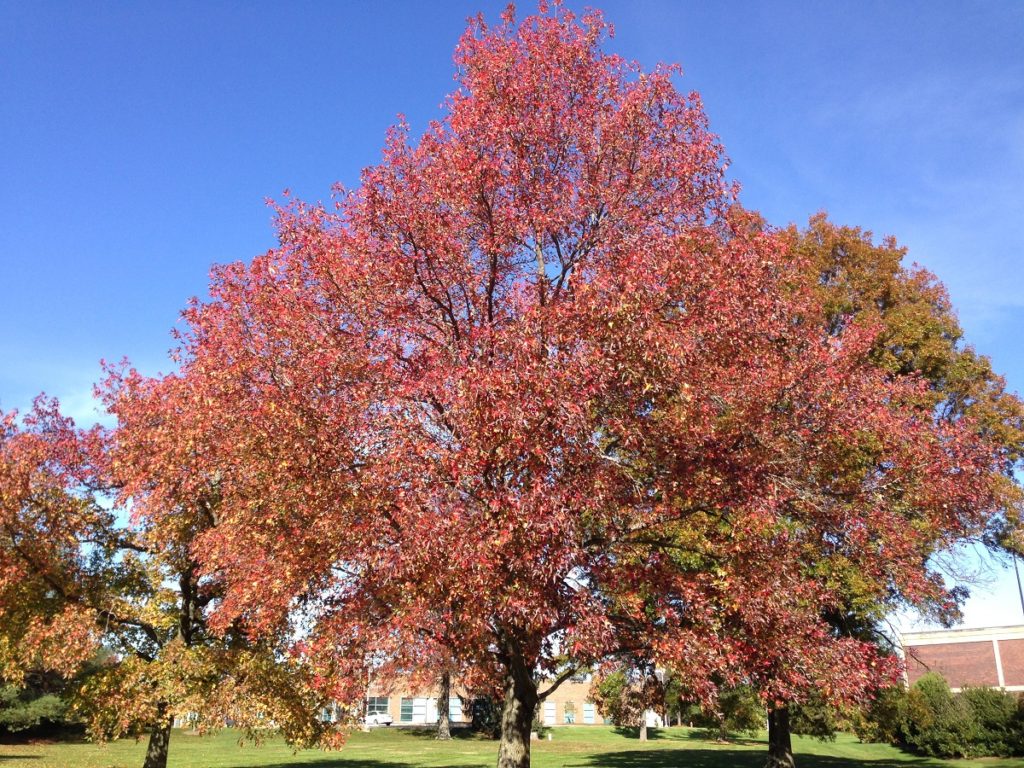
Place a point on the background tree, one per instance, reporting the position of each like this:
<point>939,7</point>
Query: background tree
<point>676,709</point>
<point>625,696</point>
<point>443,715</point>
<point>738,711</point>
<point>77,577</point>
<point>860,281</point>
<point>38,702</point>
<point>916,338</point>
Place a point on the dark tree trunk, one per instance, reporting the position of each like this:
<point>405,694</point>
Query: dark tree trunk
<point>443,695</point>
<point>159,740</point>
<point>517,715</point>
<point>780,741</point>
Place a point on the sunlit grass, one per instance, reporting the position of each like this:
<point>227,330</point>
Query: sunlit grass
<point>580,747</point>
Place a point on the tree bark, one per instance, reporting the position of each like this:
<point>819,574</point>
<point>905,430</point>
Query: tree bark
<point>780,741</point>
<point>443,695</point>
<point>159,740</point>
<point>643,727</point>
<point>517,715</point>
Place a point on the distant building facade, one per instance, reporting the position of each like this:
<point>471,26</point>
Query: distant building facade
<point>992,657</point>
<point>570,704</point>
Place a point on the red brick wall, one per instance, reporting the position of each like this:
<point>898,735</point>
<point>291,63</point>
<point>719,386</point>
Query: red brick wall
<point>960,663</point>
<point>1011,653</point>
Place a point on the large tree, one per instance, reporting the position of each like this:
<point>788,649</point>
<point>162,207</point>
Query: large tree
<point>859,281</point>
<point>537,386</point>
<point>78,577</point>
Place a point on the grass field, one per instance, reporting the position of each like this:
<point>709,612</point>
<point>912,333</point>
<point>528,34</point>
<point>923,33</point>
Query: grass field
<point>593,747</point>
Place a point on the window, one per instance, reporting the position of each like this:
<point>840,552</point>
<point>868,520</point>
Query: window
<point>588,712</point>
<point>376,705</point>
<point>569,713</point>
<point>405,716</point>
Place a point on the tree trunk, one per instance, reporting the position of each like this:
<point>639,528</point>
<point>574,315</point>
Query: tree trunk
<point>780,742</point>
<point>159,740</point>
<point>643,727</point>
<point>443,695</point>
<point>517,716</point>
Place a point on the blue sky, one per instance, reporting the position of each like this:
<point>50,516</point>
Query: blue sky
<point>138,142</point>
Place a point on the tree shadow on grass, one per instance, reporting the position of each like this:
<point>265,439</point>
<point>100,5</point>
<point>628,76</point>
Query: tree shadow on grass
<point>653,734</point>
<point>705,735</point>
<point>732,758</point>
<point>458,734</point>
<point>338,762</point>
<point>343,762</point>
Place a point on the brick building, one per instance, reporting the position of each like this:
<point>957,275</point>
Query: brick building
<point>570,704</point>
<point>993,656</point>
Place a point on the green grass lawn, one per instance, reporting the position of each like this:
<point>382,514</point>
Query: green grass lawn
<point>582,747</point>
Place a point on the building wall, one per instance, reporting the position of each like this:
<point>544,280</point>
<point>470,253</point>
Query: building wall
<point>960,663</point>
<point>1011,654</point>
<point>992,656</point>
<point>570,704</point>
<point>420,706</point>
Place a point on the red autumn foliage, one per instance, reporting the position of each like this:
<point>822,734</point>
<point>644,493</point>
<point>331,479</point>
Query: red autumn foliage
<point>536,394</point>
<point>120,605</point>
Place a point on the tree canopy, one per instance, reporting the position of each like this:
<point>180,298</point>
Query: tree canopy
<point>537,395</point>
<point>79,579</point>
<point>539,386</point>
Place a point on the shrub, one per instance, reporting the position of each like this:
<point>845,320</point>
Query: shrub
<point>22,709</point>
<point>939,724</point>
<point>931,719</point>
<point>1017,727</point>
<point>884,720</point>
<point>994,714</point>
<point>538,726</point>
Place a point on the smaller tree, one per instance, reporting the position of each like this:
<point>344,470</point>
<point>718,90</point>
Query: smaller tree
<point>625,695</point>
<point>739,712</point>
<point>78,578</point>
<point>675,705</point>
<point>736,710</point>
<point>818,718</point>
<point>882,720</point>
